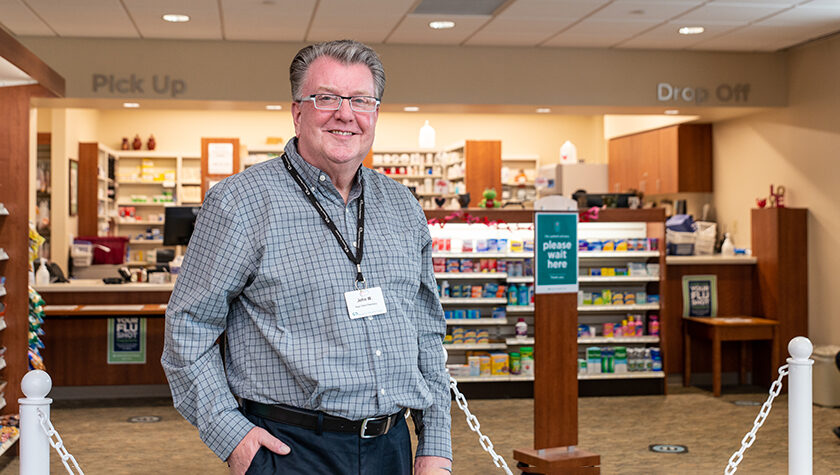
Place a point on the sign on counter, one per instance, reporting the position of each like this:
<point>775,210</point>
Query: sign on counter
<point>556,253</point>
<point>127,340</point>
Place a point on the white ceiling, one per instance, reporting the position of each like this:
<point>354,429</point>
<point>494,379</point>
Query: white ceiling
<point>731,25</point>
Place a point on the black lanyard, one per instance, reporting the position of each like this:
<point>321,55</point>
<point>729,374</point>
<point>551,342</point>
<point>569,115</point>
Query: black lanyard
<point>357,259</point>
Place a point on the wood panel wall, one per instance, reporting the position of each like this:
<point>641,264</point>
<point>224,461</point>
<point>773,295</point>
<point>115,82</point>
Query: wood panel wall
<point>780,244</point>
<point>483,168</point>
<point>14,232</point>
<point>88,189</point>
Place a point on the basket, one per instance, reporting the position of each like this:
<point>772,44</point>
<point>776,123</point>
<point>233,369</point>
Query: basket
<point>81,253</point>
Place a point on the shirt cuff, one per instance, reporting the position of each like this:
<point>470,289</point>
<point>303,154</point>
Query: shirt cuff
<point>225,433</point>
<point>434,441</point>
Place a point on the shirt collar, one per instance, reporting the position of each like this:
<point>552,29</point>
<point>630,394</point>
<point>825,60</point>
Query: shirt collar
<point>312,174</point>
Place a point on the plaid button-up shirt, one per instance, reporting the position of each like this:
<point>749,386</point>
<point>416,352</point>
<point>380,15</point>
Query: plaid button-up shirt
<point>262,266</point>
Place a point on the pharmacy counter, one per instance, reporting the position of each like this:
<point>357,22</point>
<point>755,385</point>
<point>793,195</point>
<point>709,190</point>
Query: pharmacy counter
<point>76,330</point>
<point>715,259</point>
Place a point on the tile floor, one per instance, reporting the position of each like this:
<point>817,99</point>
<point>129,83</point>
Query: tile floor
<point>620,429</point>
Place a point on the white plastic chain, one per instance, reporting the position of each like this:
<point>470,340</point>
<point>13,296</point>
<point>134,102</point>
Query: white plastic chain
<point>58,444</point>
<point>472,422</point>
<point>748,439</point>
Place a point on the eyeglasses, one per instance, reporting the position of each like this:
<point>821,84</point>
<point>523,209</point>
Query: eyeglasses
<point>332,102</point>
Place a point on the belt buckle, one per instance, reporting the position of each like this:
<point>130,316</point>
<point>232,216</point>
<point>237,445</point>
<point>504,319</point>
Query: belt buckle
<point>362,433</point>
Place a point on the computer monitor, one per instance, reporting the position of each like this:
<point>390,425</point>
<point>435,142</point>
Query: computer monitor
<point>178,224</point>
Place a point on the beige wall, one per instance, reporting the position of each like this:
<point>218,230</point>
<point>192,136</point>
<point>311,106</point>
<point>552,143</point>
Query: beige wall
<point>795,147</point>
<point>68,128</point>
<point>620,125</point>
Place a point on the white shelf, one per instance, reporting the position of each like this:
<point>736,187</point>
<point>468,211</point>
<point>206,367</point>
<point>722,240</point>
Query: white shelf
<point>191,182</point>
<point>2,323</point>
<point>3,210</point>
<point>527,184</point>
<point>476,321</point>
<point>473,301</point>
<point>445,195</point>
<point>105,179</point>
<point>592,279</point>
<point>470,275</point>
<point>475,346</point>
<point>483,255</point>
<point>520,309</point>
<point>2,402</point>
<point>2,290</point>
<point>520,158</point>
<point>595,340</point>
<point>513,341</point>
<point>146,241</point>
<point>617,254</point>
<point>397,176</point>
<point>627,375</point>
<point>618,308</point>
<point>146,203</point>
<point>3,255</point>
<point>9,443</point>
<point>712,259</point>
<point>186,203</point>
<point>143,223</point>
<point>523,279</point>
<point>165,184</point>
<point>2,362</point>
<point>493,379</point>
<point>470,255</point>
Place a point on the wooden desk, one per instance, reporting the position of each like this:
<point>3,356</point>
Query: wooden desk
<point>108,310</point>
<point>731,328</point>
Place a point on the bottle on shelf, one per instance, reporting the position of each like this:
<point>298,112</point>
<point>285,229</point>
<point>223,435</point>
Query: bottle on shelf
<point>653,325</point>
<point>727,248</point>
<point>42,276</point>
<point>521,328</point>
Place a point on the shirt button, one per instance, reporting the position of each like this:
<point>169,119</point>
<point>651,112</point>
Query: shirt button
<point>322,178</point>
<point>378,353</point>
<point>382,391</point>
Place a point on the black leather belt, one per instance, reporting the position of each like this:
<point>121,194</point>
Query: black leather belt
<point>366,428</point>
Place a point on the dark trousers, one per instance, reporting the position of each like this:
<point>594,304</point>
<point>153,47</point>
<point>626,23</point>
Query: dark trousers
<point>333,453</point>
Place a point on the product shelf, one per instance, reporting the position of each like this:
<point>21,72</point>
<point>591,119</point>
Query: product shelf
<point>145,203</point>
<point>513,341</point>
<point>158,242</point>
<point>3,210</point>
<point>470,255</point>
<point>8,444</point>
<point>470,275</point>
<point>2,323</point>
<point>2,290</point>
<point>617,254</point>
<point>143,223</point>
<point>476,321</point>
<point>3,255</point>
<point>472,301</point>
<point>617,308</point>
<point>585,340</point>
<point>522,279</point>
<point>520,309</point>
<point>627,375</point>
<point>2,362</point>
<point>165,184</point>
<point>412,177</point>
<point>475,346</point>
<point>618,279</point>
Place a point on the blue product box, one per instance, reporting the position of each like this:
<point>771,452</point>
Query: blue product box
<point>473,313</point>
<point>499,312</point>
<point>652,299</point>
<point>502,245</point>
<point>460,313</point>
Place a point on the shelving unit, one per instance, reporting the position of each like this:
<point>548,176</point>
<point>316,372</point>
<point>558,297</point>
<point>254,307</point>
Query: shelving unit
<point>619,225</point>
<point>111,181</point>
<point>8,444</point>
<point>513,190</point>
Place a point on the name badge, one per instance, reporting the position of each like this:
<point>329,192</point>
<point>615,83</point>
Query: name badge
<point>365,303</point>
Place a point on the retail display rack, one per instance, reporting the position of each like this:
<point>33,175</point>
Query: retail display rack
<point>124,192</point>
<point>437,176</point>
<point>636,274</point>
<point>4,374</point>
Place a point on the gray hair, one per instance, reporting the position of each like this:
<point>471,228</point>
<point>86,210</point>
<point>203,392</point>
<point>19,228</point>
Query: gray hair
<point>346,52</point>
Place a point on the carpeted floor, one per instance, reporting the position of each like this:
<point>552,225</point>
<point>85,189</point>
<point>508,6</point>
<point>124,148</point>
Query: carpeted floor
<point>620,429</point>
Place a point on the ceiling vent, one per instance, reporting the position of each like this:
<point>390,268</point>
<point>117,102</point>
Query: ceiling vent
<point>458,7</point>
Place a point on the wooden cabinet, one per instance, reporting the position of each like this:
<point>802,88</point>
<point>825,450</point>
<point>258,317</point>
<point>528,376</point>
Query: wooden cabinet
<point>483,168</point>
<point>669,160</point>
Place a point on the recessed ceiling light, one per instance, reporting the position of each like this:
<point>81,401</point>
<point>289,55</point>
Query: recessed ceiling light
<point>176,18</point>
<point>637,12</point>
<point>672,112</point>
<point>441,25</point>
<point>543,110</point>
<point>274,107</point>
<point>692,30</point>
<point>411,109</point>
<point>131,105</point>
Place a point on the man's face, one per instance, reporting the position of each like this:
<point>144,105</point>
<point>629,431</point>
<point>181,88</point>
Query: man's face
<point>329,139</point>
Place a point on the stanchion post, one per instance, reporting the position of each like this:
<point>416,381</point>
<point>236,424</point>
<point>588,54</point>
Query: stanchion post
<point>800,409</point>
<point>34,444</point>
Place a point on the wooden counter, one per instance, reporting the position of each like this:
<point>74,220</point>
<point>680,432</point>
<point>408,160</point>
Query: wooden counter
<point>76,331</point>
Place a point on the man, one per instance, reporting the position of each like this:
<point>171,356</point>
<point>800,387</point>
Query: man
<point>319,272</point>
